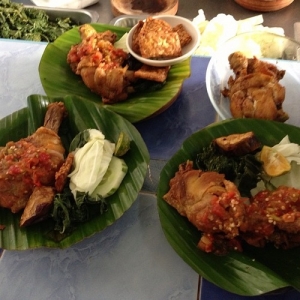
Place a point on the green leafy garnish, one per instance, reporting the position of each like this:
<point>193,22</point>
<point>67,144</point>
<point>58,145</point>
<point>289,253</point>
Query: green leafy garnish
<point>68,211</point>
<point>244,171</point>
<point>26,23</point>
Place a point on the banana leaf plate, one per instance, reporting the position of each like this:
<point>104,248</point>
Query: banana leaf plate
<point>58,80</point>
<point>254,271</point>
<point>82,115</point>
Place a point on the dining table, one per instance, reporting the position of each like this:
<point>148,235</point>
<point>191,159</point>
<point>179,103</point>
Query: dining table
<point>130,259</point>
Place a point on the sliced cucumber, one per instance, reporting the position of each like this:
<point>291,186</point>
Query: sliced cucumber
<point>112,179</point>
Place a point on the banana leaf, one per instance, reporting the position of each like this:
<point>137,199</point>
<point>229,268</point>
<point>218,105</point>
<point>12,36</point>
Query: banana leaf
<point>58,80</point>
<point>81,115</point>
<point>254,271</point>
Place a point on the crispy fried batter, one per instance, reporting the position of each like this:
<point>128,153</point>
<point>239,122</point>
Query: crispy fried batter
<point>135,37</point>
<point>152,73</point>
<point>255,91</point>
<point>61,175</point>
<point>199,195</point>
<point>184,37</point>
<point>157,40</point>
<point>239,143</point>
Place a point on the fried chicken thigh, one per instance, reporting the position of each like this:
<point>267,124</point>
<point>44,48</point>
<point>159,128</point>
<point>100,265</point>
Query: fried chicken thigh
<point>31,162</point>
<point>254,91</point>
<point>214,206</point>
<point>100,64</point>
<point>211,203</point>
<point>273,216</point>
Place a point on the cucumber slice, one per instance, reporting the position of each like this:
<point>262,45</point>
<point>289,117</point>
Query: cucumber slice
<point>112,179</point>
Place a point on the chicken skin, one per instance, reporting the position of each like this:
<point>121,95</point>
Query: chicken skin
<point>273,216</point>
<point>101,66</point>
<point>209,201</point>
<point>254,91</point>
<point>31,162</point>
<point>214,206</point>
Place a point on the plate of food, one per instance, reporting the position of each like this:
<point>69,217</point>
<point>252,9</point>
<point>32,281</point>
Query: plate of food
<point>256,75</point>
<point>113,84</point>
<point>195,213</point>
<point>95,162</point>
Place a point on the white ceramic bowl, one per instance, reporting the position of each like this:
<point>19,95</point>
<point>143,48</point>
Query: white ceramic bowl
<point>279,50</point>
<point>187,51</point>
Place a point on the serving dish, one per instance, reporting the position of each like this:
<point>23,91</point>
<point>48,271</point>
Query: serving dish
<point>127,21</point>
<point>279,50</point>
<point>58,79</point>
<point>187,51</point>
<point>80,16</point>
<point>82,115</point>
<point>135,7</point>
<point>254,271</point>
<point>264,5</point>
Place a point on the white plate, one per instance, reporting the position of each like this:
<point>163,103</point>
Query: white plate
<point>218,71</point>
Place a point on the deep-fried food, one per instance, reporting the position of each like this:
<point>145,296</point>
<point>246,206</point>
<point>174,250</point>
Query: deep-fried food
<point>135,37</point>
<point>157,40</point>
<point>273,216</point>
<point>104,69</point>
<point>214,206</point>
<point>184,37</point>
<point>255,92</point>
<point>158,74</point>
<point>100,65</point>
<point>31,162</point>
<point>238,144</point>
<point>38,205</point>
<point>209,201</point>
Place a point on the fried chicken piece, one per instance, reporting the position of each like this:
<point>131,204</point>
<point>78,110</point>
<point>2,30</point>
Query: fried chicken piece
<point>255,91</point>
<point>209,201</point>
<point>100,64</point>
<point>61,176</point>
<point>111,84</point>
<point>31,162</point>
<point>257,66</point>
<point>86,31</point>
<point>38,205</point>
<point>273,216</point>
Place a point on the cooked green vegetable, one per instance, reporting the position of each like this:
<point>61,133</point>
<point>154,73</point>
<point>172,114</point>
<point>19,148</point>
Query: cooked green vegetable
<point>244,170</point>
<point>26,23</point>
<point>97,174</point>
<point>68,211</point>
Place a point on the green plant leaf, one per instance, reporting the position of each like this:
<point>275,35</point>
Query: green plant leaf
<point>254,271</point>
<point>82,115</point>
<point>58,79</point>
